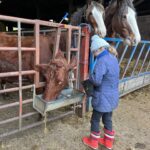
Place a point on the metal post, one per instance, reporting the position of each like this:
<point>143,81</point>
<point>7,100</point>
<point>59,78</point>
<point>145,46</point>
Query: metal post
<point>117,45</point>
<point>138,59</point>
<point>56,46</point>
<point>20,75</point>
<point>144,60</point>
<point>131,56</point>
<point>37,52</point>
<point>78,57</point>
<point>125,50</point>
<point>148,66</point>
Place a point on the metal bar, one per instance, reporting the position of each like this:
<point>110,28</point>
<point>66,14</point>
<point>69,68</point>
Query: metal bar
<point>138,59</point>
<point>123,54</point>
<point>16,118</point>
<point>131,56</point>
<point>40,84</point>
<point>15,104</point>
<point>37,52</point>
<point>36,124</point>
<point>15,89</point>
<point>16,19</point>
<point>11,74</point>
<point>20,75</point>
<point>74,49</point>
<point>47,23</point>
<point>68,44</point>
<point>16,49</point>
<point>144,60</point>
<point>72,27</point>
<point>116,46</point>
<point>56,46</point>
<point>78,63</point>
<point>118,39</point>
<point>148,66</point>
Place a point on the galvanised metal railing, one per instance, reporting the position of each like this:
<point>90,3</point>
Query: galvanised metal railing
<point>134,65</point>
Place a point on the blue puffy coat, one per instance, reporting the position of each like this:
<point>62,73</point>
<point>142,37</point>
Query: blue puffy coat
<point>105,78</point>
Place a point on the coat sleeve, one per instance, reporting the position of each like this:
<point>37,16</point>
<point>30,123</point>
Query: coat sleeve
<point>98,73</point>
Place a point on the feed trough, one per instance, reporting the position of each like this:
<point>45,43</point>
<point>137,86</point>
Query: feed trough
<point>65,98</point>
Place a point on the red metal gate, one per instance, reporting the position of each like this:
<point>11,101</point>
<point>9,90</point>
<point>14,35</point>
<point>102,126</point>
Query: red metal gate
<point>72,31</point>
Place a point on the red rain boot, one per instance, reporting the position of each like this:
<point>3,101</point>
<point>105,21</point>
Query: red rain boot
<point>92,141</point>
<point>108,139</point>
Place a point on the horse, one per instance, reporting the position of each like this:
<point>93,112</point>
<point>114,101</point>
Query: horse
<point>92,13</point>
<point>120,18</point>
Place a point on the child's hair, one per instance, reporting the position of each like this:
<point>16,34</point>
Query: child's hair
<point>113,50</point>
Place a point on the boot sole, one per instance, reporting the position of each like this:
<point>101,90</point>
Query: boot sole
<point>89,146</point>
<point>106,147</point>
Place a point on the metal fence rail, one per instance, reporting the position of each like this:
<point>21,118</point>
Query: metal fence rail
<point>20,102</point>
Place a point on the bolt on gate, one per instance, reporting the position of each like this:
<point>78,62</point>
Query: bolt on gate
<point>72,48</point>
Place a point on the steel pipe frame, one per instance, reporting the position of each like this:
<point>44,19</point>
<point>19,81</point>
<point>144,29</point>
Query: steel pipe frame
<point>12,74</point>
<point>37,24</point>
<point>15,104</point>
<point>36,124</point>
<point>17,118</point>
<point>16,49</point>
<point>16,89</point>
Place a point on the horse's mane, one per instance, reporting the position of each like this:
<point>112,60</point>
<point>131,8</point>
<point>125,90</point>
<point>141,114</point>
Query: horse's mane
<point>76,17</point>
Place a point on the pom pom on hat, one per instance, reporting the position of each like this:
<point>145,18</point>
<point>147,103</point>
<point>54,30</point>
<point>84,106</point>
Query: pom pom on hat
<point>97,43</point>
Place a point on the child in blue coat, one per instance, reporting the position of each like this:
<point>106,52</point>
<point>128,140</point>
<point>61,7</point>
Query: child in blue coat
<point>105,97</point>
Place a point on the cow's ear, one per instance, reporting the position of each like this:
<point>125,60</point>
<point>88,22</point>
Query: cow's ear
<point>73,63</point>
<point>42,68</point>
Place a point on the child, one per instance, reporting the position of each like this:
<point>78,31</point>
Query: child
<point>105,96</point>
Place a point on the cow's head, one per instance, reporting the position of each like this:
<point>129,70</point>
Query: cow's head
<point>56,75</point>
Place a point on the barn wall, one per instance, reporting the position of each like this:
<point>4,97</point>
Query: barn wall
<point>144,26</point>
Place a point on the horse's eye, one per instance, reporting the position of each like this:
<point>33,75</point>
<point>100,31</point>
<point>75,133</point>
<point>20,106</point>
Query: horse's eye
<point>124,16</point>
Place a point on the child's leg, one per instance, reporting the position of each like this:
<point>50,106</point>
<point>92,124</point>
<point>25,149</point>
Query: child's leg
<point>107,120</point>
<point>95,121</point>
<point>92,140</point>
<point>108,139</point>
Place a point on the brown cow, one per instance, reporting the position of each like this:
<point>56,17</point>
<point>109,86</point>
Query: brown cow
<point>56,75</point>
<point>9,59</point>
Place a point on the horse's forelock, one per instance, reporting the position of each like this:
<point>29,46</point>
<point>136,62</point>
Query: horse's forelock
<point>125,3</point>
<point>93,4</point>
<point>98,5</point>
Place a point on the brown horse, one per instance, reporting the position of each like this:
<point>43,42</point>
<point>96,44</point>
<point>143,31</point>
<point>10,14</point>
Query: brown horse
<point>93,13</point>
<point>109,13</point>
<point>121,19</point>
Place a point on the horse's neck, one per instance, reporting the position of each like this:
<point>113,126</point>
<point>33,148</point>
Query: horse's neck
<point>76,18</point>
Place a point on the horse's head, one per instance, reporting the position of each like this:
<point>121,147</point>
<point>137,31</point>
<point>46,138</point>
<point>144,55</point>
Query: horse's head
<point>94,15</point>
<point>124,22</point>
